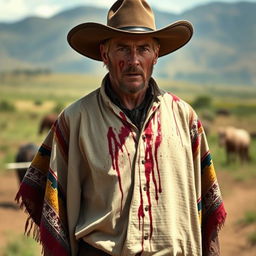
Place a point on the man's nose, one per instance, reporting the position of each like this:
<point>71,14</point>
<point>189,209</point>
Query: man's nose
<point>133,58</point>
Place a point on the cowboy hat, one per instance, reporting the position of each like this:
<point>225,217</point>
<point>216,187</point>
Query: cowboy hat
<point>128,17</point>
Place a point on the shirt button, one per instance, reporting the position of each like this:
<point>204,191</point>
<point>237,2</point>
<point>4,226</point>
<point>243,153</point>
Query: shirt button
<point>143,161</point>
<point>146,208</point>
<point>143,137</point>
<point>146,237</point>
<point>145,188</point>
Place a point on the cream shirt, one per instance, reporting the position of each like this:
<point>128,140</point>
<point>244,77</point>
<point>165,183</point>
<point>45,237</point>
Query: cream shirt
<point>132,192</point>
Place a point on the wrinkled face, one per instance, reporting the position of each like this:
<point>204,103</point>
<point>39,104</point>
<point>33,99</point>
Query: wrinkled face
<point>130,62</point>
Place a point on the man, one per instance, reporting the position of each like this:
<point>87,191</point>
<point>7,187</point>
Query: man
<point>125,170</point>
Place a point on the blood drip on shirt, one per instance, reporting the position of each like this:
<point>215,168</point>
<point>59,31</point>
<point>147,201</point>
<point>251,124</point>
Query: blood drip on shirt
<point>157,144</point>
<point>115,144</point>
<point>151,168</point>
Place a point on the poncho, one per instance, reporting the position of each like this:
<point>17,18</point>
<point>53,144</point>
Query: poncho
<point>127,192</point>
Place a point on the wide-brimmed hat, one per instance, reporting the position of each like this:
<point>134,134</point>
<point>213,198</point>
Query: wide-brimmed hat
<point>133,18</point>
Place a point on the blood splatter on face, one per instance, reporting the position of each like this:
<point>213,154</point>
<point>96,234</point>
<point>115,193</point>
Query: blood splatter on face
<point>121,65</point>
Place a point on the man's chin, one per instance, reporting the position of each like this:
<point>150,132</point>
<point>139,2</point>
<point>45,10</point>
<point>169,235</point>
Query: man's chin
<point>134,87</point>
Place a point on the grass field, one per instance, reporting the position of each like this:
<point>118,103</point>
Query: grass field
<point>24,100</point>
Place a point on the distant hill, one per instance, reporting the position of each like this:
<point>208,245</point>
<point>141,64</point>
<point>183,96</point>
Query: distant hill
<point>223,49</point>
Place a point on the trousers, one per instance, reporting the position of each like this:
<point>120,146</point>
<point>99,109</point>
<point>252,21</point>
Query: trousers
<point>87,250</point>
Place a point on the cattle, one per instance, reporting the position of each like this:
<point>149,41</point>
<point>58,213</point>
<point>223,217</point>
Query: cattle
<point>236,142</point>
<point>223,112</point>
<point>47,122</point>
<point>25,154</point>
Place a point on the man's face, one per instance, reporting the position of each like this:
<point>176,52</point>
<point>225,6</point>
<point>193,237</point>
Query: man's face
<point>130,62</point>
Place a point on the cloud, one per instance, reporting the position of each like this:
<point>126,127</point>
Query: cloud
<point>46,10</point>
<point>13,9</point>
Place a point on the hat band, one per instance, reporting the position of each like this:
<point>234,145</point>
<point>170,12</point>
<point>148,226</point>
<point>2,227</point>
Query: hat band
<point>135,28</point>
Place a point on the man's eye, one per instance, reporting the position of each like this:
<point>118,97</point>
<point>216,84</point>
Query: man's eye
<point>122,49</point>
<point>144,49</point>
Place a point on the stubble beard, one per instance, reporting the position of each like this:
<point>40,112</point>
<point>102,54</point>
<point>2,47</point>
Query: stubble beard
<point>131,89</point>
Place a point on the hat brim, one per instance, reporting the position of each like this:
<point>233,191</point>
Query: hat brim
<point>86,38</point>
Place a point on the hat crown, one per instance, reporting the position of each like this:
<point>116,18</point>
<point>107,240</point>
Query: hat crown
<point>131,15</point>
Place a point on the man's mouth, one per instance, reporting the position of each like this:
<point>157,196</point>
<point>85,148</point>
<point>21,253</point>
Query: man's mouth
<point>133,74</point>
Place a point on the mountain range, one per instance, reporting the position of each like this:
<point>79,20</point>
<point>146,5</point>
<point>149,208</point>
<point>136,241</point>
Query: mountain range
<point>222,50</point>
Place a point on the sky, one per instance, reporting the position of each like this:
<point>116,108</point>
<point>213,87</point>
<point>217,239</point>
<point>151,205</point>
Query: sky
<point>14,10</point>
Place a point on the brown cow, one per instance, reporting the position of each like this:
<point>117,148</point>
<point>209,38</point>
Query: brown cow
<point>47,122</point>
<point>236,142</point>
<point>25,153</point>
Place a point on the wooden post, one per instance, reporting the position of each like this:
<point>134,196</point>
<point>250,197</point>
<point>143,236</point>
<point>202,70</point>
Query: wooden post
<point>17,166</point>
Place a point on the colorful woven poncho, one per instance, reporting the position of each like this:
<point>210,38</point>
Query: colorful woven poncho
<point>43,191</point>
<point>45,200</point>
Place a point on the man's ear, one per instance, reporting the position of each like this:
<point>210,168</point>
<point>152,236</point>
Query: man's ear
<point>155,59</point>
<point>156,54</point>
<point>103,54</point>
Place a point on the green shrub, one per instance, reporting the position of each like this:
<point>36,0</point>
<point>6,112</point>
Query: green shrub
<point>249,218</point>
<point>6,106</point>
<point>252,238</point>
<point>38,102</point>
<point>202,101</point>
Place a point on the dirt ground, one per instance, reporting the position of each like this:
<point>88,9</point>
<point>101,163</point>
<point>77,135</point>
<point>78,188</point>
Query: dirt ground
<point>239,197</point>
<point>12,219</point>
